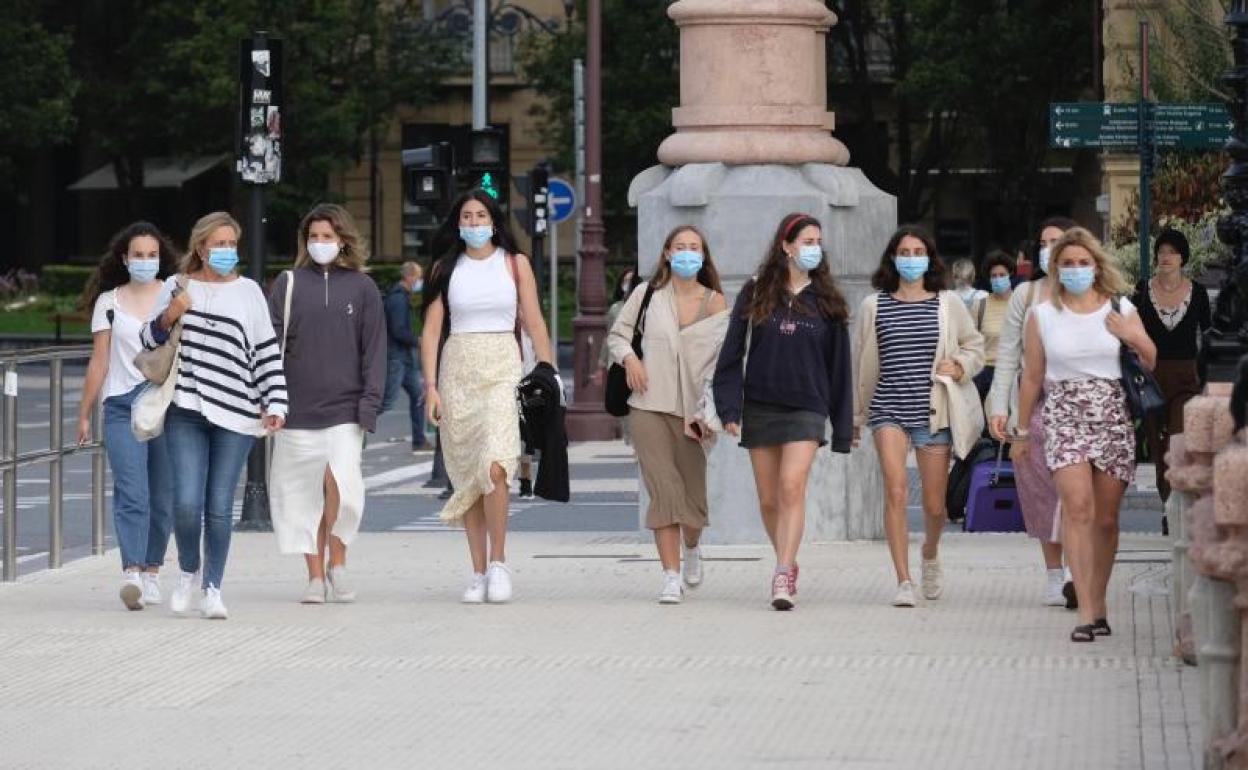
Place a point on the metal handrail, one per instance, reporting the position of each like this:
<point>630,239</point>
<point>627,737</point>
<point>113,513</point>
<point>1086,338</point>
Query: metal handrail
<point>53,456</point>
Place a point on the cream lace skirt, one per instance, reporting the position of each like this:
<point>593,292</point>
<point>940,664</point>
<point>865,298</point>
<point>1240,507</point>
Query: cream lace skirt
<point>480,419</point>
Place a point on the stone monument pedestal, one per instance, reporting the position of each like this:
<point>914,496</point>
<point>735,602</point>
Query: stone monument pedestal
<point>739,207</point>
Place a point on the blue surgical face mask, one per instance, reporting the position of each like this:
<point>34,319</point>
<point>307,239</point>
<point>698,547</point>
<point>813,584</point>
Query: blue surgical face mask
<point>223,260</point>
<point>143,270</point>
<point>418,287</point>
<point>809,256</point>
<point>912,268</point>
<point>1044,258</point>
<point>476,236</point>
<point>1000,284</point>
<point>1077,280</point>
<point>686,264</point>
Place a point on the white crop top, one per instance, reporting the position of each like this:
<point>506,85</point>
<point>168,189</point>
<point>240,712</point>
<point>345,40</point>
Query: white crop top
<point>1078,346</point>
<point>482,295</point>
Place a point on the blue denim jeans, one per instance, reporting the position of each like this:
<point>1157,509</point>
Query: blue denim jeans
<point>209,460</point>
<point>142,486</point>
<point>920,438</point>
<point>403,371</point>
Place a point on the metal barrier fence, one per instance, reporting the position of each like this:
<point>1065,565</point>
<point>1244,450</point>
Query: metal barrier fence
<point>53,456</point>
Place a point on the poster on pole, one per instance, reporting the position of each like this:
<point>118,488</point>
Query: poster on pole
<point>260,110</point>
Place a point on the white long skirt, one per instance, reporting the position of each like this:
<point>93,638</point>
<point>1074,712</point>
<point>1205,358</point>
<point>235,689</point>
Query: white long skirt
<point>297,484</point>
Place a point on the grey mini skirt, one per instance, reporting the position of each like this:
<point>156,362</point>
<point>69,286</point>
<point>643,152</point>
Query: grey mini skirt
<point>764,425</point>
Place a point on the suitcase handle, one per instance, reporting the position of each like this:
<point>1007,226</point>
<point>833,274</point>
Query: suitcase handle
<point>995,478</point>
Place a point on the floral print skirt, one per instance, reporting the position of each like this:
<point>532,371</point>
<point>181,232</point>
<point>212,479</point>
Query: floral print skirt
<point>1086,421</point>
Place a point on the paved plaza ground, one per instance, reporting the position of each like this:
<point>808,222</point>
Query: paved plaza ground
<point>585,670</point>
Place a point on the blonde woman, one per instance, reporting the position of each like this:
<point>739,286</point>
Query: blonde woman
<point>683,326</point>
<point>316,486</point>
<point>1072,352</point>
<point>479,291</point>
<point>229,390</point>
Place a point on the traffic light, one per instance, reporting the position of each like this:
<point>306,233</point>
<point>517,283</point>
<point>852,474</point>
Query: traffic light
<point>538,201</point>
<point>487,168</point>
<point>430,172</point>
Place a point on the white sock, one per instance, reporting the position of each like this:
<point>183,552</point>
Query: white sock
<point>1056,574</point>
<point>1066,575</point>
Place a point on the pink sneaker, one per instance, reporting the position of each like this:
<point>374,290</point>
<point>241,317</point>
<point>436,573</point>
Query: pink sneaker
<point>781,595</point>
<point>793,580</point>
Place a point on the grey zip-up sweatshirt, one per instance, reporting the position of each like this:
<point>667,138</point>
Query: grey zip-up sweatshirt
<point>335,360</point>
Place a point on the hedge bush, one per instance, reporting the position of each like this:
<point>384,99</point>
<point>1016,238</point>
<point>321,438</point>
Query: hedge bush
<point>64,280</point>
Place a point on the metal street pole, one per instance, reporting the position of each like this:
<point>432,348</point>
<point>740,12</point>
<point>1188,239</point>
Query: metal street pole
<point>256,516</point>
<point>480,64</point>
<point>554,293</point>
<point>578,138</point>
<point>1146,155</point>
<point>587,418</point>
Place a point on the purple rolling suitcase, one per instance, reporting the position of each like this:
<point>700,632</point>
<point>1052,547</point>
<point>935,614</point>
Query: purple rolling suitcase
<point>992,505</point>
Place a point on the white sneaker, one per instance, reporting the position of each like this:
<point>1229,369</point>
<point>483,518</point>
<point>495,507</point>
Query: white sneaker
<point>1053,596</point>
<point>132,591</point>
<point>180,601</point>
<point>151,588</point>
<point>211,606</point>
<point>498,583</point>
<point>314,593</point>
<point>475,593</point>
<point>672,592</point>
<point>340,581</point>
<point>691,569</point>
<point>932,575</point>
<point>905,595</point>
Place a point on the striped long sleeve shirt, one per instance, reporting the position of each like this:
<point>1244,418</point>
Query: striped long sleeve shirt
<point>229,367</point>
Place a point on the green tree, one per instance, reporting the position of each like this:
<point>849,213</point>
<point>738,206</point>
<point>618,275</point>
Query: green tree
<point>161,77</point>
<point>37,89</point>
<point>641,85</point>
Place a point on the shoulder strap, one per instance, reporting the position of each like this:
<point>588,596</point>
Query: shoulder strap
<point>639,325</point>
<point>290,290</point>
<point>515,279</point>
<point>980,308</point>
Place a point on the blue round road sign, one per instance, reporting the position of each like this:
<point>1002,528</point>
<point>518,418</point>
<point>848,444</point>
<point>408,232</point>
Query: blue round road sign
<point>562,200</point>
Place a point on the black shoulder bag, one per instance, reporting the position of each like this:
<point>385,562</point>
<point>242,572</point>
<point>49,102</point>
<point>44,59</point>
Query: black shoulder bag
<point>1144,396</point>
<point>617,390</point>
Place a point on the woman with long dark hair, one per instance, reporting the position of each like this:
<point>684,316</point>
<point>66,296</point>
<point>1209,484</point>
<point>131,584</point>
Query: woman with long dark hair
<point>791,323</point>
<point>1037,495</point>
<point>479,290</point>
<point>122,294</point>
<point>682,328</point>
<point>917,346</point>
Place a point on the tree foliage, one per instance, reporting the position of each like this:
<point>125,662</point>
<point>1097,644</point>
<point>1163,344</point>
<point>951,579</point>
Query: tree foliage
<point>37,89</point>
<point>160,77</point>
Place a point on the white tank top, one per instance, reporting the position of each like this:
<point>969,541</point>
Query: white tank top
<point>482,295</point>
<point>1078,346</point>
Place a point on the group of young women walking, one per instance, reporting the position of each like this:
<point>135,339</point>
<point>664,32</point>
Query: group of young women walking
<point>772,371</point>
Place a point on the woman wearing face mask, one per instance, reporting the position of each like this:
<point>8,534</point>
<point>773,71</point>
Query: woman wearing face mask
<point>1037,494</point>
<point>1072,354</point>
<point>682,328</point>
<point>122,294</point>
<point>989,313</point>
<point>1175,311</point>
<point>316,487</point>
<point>229,390</point>
<point>916,342</point>
<point>783,373</point>
<point>478,292</point>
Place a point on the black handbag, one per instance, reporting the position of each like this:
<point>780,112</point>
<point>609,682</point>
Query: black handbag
<point>1144,396</point>
<point>617,391</point>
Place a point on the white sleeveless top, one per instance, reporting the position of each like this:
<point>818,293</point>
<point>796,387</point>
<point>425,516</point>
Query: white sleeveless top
<point>1078,346</point>
<point>482,295</point>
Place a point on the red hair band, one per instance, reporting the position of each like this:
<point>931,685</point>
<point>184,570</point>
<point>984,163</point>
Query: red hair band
<point>788,231</point>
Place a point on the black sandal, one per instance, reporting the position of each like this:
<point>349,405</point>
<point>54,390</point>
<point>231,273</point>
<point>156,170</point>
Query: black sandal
<point>1086,633</point>
<point>1068,591</point>
<point>1100,627</point>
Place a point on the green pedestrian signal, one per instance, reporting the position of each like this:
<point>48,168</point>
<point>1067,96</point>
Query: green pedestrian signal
<point>488,185</point>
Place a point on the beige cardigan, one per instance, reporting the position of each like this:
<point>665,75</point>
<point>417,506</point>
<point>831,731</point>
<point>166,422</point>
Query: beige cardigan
<point>679,362</point>
<point>955,405</point>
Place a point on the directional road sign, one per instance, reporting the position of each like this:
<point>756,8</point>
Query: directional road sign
<point>1109,125</point>
<point>562,200</point>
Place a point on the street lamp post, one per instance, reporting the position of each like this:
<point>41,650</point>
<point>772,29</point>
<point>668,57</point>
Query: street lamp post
<point>587,419</point>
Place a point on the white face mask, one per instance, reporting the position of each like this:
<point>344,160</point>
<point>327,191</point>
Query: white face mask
<point>1044,258</point>
<point>322,253</point>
